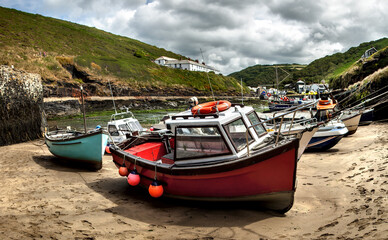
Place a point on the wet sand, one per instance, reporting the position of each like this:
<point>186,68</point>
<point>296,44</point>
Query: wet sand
<point>341,194</point>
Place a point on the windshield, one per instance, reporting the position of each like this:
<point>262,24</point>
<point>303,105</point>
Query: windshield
<point>199,142</point>
<point>254,119</point>
<point>237,133</point>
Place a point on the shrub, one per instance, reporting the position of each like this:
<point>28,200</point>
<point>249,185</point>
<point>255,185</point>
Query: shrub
<point>65,60</point>
<point>95,66</point>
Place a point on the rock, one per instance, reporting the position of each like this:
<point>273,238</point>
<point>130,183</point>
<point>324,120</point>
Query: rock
<point>21,101</point>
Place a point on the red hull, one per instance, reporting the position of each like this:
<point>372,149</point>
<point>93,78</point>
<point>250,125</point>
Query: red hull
<point>271,177</point>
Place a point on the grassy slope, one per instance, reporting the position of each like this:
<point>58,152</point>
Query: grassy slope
<point>369,69</point>
<point>334,65</point>
<point>24,36</point>
<point>328,68</point>
<point>265,74</point>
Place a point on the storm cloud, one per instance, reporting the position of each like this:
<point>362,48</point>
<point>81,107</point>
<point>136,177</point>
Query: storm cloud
<point>231,34</point>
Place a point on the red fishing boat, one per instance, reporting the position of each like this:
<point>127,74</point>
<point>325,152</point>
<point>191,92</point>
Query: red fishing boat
<point>219,156</point>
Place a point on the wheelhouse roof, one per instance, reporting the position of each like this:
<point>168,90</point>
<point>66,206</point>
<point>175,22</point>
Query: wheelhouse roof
<point>186,118</point>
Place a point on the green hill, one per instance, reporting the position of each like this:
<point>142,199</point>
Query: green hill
<point>332,66</point>
<point>266,74</point>
<point>329,68</point>
<point>373,69</point>
<point>66,54</point>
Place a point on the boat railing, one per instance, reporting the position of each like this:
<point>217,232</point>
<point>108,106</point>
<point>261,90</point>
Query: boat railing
<point>127,112</point>
<point>293,111</point>
<point>296,107</point>
<point>304,122</point>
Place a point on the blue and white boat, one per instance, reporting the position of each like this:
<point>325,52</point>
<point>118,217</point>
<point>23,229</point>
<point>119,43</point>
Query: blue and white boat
<point>330,133</point>
<point>327,136</point>
<point>81,147</point>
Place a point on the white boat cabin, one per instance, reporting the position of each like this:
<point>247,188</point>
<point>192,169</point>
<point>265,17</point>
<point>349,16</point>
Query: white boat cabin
<point>122,125</point>
<point>213,135</point>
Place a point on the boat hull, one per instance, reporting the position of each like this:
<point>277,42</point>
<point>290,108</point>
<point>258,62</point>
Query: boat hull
<point>305,140</point>
<point>351,123</point>
<point>323,143</point>
<point>327,136</point>
<point>268,177</point>
<point>88,148</point>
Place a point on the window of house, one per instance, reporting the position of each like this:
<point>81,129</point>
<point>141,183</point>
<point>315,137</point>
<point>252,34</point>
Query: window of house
<point>199,142</point>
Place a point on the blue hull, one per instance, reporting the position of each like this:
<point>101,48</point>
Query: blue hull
<point>323,143</point>
<point>87,148</point>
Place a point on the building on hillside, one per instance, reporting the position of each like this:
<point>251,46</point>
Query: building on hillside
<point>163,60</point>
<point>301,87</point>
<point>368,53</point>
<point>185,64</point>
<point>319,88</point>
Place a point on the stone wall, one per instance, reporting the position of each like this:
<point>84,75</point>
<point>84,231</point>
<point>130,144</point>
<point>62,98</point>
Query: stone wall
<point>21,101</point>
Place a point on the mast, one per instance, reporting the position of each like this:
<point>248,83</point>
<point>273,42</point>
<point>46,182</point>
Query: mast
<point>277,83</point>
<point>242,95</point>
<point>111,92</point>
<point>207,74</point>
<point>83,107</point>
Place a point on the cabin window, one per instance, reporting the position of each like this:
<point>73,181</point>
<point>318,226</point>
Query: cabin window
<point>199,142</point>
<point>124,127</point>
<point>113,130</point>
<point>254,119</point>
<point>237,133</point>
<point>135,126</point>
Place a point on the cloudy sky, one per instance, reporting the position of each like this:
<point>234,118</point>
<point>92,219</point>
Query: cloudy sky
<point>233,34</point>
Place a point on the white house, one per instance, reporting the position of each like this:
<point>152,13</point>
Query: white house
<point>185,64</point>
<point>163,60</point>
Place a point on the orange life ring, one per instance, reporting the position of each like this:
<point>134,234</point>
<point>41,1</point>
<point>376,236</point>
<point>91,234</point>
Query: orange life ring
<point>268,94</point>
<point>211,107</point>
<point>324,102</point>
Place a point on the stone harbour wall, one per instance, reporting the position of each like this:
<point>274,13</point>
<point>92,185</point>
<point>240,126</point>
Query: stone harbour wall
<point>21,101</point>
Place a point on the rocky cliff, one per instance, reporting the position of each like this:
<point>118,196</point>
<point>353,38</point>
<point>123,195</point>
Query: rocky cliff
<point>21,101</point>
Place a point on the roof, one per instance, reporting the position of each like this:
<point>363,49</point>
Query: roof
<point>225,116</point>
<point>165,58</point>
<point>189,62</point>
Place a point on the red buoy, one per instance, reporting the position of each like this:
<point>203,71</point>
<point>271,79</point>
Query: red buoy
<point>133,178</point>
<point>155,189</point>
<point>107,150</point>
<point>123,171</point>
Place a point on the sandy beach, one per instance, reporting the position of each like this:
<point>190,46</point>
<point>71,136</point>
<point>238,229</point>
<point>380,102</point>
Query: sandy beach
<point>341,194</point>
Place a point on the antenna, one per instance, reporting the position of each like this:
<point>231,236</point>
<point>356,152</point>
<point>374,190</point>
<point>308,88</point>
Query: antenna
<point>207,74</point>
<point>277,83</point>
<point>111,92</point>
<point>242,95</point>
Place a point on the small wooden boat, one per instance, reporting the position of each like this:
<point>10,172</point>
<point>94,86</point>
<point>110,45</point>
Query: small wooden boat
<point>88,147</point>
<point>77,146</point>
<point>222,156</point>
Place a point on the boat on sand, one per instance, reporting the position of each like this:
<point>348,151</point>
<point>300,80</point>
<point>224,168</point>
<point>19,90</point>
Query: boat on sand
<point>218,156</point>
<point>72,145</point>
